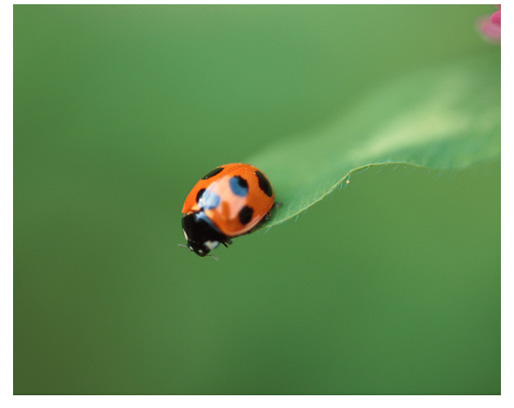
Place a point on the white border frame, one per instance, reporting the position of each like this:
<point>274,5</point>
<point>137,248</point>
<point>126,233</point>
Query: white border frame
<point>8,400</point>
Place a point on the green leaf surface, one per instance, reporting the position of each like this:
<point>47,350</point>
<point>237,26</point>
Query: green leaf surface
<point>445,117</point>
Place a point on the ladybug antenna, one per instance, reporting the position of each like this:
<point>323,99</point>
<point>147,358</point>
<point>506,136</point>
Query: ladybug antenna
<point>213,256</point>
<point>183,246</point>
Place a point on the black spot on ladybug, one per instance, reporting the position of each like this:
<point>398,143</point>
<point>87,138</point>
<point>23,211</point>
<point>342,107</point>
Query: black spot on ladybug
<point>245,215</point>
<point>207,199</point>
<point>239,186</point>
<point>199,195</point>
<point>264,183</point>
<point>212,173</point>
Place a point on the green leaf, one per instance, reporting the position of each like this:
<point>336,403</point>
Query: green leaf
<point>445,117</point>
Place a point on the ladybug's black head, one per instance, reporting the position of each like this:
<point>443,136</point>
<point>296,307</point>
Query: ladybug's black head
<point>201,234</point>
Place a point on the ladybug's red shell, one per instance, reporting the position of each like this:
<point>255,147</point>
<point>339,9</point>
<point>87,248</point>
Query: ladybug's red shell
<point>235,197</point>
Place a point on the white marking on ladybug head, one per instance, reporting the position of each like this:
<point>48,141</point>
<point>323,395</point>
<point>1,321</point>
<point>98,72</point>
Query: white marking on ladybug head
<point>211,244</point>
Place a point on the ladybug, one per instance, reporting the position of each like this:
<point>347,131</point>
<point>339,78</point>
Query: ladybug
<point>227,202</point>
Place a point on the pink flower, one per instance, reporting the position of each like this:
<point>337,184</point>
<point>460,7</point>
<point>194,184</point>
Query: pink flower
<point>490,26</point>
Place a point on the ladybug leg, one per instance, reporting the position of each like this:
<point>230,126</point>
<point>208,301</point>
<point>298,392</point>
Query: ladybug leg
<point>266,217</point>
<point>227,242</point>
<point>263,221</point>
<point>276,204</point>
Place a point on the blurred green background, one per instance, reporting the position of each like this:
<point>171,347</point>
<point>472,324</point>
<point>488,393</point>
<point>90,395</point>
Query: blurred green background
<point>390,286</point>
